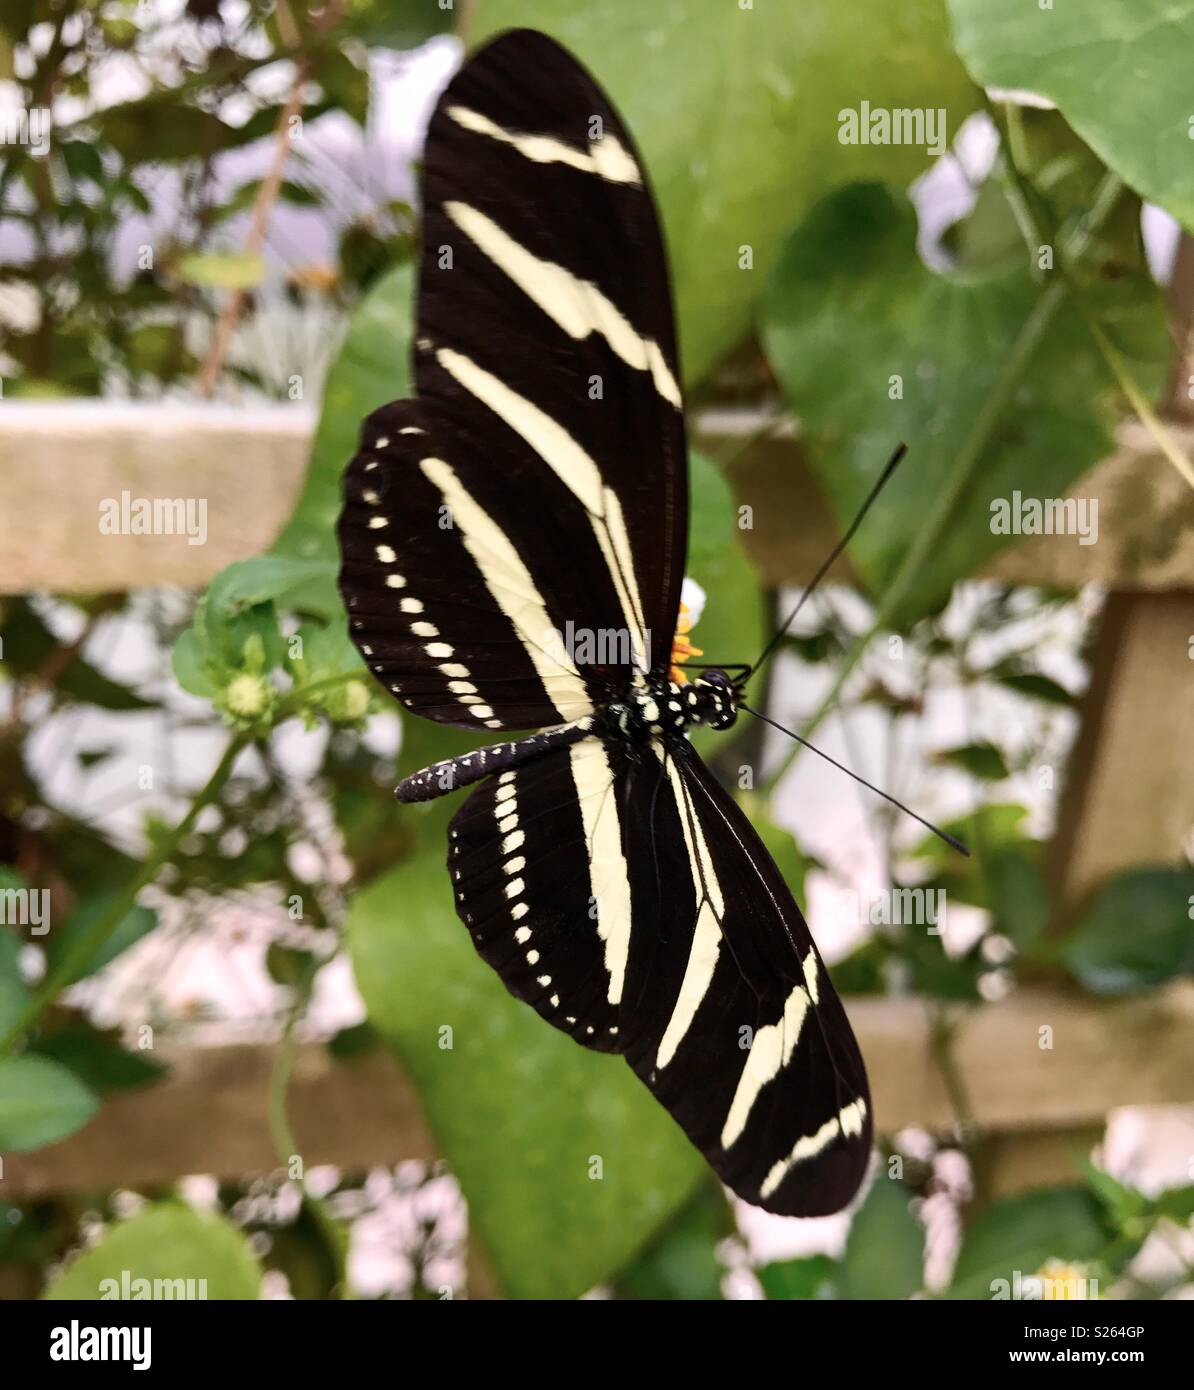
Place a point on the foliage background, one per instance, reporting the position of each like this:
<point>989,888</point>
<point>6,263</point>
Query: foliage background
<point>1014,376</point>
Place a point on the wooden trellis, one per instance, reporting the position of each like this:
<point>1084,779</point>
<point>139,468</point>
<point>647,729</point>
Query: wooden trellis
<point>1128,797</point>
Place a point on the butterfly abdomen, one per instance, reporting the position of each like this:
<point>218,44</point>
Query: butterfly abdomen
<point>450,773</point>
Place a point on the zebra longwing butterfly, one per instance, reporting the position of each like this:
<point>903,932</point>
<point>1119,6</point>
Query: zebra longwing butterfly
<point>537,484</point>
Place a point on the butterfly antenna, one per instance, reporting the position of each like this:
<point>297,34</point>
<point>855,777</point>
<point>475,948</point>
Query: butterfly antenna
<point>949,839</point>
<point>768,650</point>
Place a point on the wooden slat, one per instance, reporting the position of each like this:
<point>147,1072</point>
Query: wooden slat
<point>59,460</point>
<point>1128,794</point>
<point>1146,517</point>
<point>210,1115</point>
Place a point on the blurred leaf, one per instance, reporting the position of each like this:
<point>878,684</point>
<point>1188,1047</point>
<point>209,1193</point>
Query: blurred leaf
<point>988,830</point>
<point>373,368</point>
<point>223,270</point>
<point>97,1058</point>
<point>167,1241</point>
<point>344,84</point>
<point>13,994</point>
<point>400,24</point>
<point>737,149</point>
<point>29,643</point>
<point>981,760</point>
<point>190,660</point>
<point>159,128</point>
<point>1138,933</point>
<point>779,840</point>
<point>1019,1234</point>
<point>287,966</point>
<point>136,923</point>
<point>1018,896</point>
<point>850,287</point>
<point>681,1262</point>
<point>1036,687</point>
<point>861,972</point>
<point>520,1112</point>
<point>885,1248</point>
<point>731,627</point>
<point>82,160</point>
<point>40,1103</point>
<point>352,1042</point>
<point>1176,1203</point>
<point>933,971</point>
<point>813,1276</point>
<point>1077,57</point>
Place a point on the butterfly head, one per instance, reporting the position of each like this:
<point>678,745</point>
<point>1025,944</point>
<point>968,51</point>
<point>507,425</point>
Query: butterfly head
<point>716,704</point>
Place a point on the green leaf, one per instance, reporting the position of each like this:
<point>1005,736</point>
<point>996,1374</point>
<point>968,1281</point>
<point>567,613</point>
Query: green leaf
<point>27,645</point>
<point>323,651</point>
<point>1080,57</point>
<point>520,1112</point>
<point>193,666</point>
<point>1176,1203</point>
<point>372,369</point>
<point>280,579</point>
<point>885,1248</point>
<point>1018,896</point>
<point>40,1103</point>
<point>223,270</point>
<point>1019,1234</point>
<point>167,1241</point>
<point>13,994</point>
<point>732,627</point>
<point>97,1058</point>
<point>1138,933</point>
<point>851,288</point>
<point>135,924</point>
<point>991,827</point>
<point>1036,687</point>
<point>355,1041</point>
<point>981,760</point>
<point>814,1276</point>
<point>401,24</point>
<point>738,148</point>
<point>681,1263</point>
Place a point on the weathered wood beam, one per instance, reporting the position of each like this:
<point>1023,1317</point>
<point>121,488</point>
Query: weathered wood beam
<point>59,461</point>
<point>1128,794</point>
<point>209,1115</point>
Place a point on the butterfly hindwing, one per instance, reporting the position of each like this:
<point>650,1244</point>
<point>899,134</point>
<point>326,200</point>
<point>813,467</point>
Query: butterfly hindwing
<point>629,901</point>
